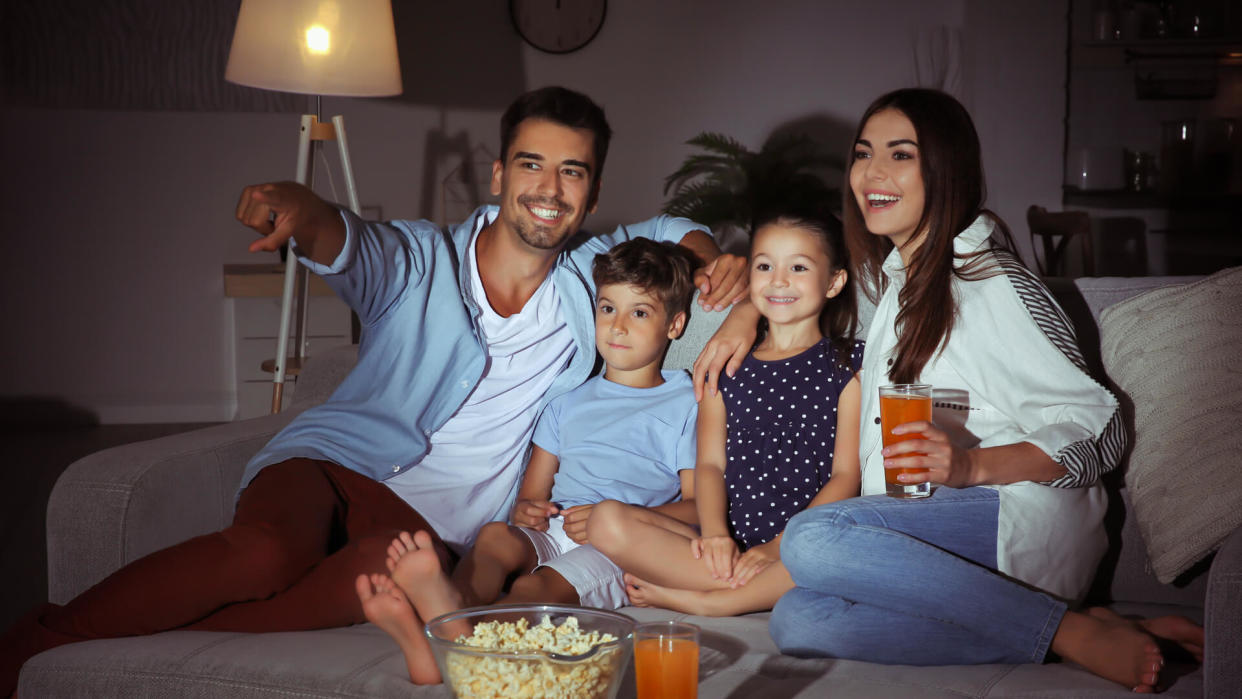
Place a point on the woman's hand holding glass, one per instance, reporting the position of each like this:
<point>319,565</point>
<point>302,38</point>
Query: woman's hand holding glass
<point>948,463</point>
<point>719,553</point>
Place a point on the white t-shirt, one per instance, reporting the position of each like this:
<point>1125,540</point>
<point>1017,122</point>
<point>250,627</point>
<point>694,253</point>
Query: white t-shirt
<point>470,475</point>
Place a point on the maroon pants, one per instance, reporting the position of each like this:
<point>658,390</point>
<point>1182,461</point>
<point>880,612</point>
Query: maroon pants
<point>302,532</point>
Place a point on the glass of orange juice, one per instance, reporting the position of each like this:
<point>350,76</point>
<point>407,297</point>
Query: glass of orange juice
<point>666,660</point>
<point>899,404</point>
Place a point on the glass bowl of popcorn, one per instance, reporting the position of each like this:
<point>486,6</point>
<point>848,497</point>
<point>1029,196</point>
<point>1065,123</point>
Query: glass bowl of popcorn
<point>532,650</point>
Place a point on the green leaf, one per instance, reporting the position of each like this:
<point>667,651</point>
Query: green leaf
<point>729,183</point>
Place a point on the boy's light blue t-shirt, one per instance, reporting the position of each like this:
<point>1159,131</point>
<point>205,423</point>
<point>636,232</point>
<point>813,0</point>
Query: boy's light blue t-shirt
<point>616,442</point>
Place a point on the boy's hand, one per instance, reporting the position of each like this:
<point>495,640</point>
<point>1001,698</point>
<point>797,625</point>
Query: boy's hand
<point>718,553</point>
<point>576,522</point>
<point>753,562</point>
<point>533,514</point>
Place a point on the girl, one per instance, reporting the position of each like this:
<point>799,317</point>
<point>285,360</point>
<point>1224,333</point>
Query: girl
<point>766,442</point>
<point>1019,438</point>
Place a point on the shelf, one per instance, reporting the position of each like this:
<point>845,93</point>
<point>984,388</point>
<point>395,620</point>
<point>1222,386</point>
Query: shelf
<point>1202,54</point>
<point>1126,199</point>
<point>1171,45</point>
<point>293,366</point>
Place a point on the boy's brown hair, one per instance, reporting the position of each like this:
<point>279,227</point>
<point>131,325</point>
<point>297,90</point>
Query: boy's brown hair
<point>663,270</point>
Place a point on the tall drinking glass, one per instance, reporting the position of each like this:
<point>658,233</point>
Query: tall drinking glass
<point>899,404</point>
<point>666,660</point>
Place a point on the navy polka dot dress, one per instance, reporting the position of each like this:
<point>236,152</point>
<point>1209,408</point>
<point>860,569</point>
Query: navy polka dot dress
<point>782,423</point>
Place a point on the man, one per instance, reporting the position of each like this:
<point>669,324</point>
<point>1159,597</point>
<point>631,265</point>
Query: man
<point>467,334</point>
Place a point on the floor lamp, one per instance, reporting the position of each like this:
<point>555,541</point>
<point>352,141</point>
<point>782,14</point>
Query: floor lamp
<point>313,47</point>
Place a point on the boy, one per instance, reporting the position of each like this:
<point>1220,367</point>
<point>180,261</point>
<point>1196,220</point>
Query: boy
<point>627,435</point>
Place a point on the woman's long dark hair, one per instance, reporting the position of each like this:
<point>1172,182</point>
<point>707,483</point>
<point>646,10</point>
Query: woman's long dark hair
<point>952,171</point>
<point>838,319</point>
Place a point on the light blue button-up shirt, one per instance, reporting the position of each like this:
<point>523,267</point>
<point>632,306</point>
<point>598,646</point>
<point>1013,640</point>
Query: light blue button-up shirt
<point>421,352</point>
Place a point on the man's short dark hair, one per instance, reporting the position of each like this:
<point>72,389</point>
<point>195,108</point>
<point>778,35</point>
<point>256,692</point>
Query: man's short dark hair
<point>561,106</point>
<point>663,270</point>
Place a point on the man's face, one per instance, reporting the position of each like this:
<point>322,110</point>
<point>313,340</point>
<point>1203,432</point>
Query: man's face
<point>546,182</point>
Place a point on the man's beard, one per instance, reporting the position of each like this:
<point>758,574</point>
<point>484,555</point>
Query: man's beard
<point>535,234</point>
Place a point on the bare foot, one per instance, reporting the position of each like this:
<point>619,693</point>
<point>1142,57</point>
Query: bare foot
<point>416,570</point>
<point>1110,646</point>
<point>386,606</point>
<point>648,594</point>
<point>1174,628</point>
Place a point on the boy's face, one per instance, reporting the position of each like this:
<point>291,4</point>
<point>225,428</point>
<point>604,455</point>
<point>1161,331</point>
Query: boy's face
<point>632,328</point>
<point>546,182</point>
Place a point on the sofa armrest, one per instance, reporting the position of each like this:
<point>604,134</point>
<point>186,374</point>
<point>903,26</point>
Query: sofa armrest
<point>120,504</point>
<point>1222,674</point>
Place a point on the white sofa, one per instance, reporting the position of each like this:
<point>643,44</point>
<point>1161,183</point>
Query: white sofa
<point>120,504</point>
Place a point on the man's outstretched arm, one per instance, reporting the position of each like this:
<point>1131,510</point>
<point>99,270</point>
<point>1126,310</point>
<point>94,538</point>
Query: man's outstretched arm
<point>283,210</point>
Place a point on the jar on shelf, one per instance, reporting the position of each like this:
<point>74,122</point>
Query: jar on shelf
<point>1177,156</point>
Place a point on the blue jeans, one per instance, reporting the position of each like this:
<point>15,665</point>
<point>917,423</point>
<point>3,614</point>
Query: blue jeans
<point>908,583</point>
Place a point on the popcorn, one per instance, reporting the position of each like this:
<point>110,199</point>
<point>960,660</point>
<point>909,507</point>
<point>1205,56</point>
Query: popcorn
<point>483,677</point>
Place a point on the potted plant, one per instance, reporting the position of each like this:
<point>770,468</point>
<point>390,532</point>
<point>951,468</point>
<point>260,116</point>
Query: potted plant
<point>726,185</point>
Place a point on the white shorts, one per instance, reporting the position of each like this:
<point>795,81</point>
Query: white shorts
<point>597,580</point>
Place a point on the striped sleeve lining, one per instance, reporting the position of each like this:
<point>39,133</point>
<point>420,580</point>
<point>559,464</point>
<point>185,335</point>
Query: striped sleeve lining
<point>1087,460</point>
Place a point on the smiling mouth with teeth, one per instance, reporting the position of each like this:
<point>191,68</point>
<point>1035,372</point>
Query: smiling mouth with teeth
<point>781,299</point>
<point>880,201</point>
<point>545,213</point>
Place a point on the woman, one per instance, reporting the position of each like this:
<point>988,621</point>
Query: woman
<point>1019,438</point>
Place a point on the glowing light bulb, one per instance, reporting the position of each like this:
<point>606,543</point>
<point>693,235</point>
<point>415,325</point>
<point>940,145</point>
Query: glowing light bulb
<point>318,39</point>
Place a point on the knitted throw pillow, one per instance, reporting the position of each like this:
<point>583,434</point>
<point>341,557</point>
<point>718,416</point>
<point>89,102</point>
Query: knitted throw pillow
<point>1175,353</point>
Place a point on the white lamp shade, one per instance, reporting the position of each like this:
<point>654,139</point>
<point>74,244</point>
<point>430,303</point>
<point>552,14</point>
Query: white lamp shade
<point>317,47</point>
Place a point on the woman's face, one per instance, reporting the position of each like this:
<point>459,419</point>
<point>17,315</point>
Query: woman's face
<point>886,178</point>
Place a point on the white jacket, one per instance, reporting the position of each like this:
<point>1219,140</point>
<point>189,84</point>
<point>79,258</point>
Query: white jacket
<point>1011,372</point>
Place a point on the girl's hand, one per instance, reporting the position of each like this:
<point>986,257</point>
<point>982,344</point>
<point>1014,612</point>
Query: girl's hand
<point>754,561</point>
<point>533,514</point>
<point>726,349</point>
<point>948,464</point>
<point>576,522</point>
<point>717,552</point>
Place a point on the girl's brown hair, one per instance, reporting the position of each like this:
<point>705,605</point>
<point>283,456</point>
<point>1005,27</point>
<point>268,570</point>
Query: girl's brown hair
<point>952,172</point>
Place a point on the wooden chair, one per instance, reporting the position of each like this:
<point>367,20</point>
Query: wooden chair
<point>1055,230</point>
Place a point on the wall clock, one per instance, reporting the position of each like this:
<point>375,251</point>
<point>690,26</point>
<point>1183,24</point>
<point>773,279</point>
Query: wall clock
<point>558,26</point>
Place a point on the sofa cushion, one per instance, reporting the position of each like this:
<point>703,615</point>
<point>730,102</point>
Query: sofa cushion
<point>1172,352</point>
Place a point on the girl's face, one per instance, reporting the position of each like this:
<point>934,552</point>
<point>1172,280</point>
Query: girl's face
<point>886,178</point>
<point>791,275</point>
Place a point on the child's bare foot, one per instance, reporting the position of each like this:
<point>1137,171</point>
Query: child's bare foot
<point>400,546</point>
<point>416,569</point>
<point>1174,628</point>
<point>1112,647</point>
<point>648,594</point>
<point>386,606</point>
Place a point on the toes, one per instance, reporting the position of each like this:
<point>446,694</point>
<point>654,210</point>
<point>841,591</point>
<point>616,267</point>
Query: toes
<point>407,541</point>
<point>422,539</point>
<point>362,586</point>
